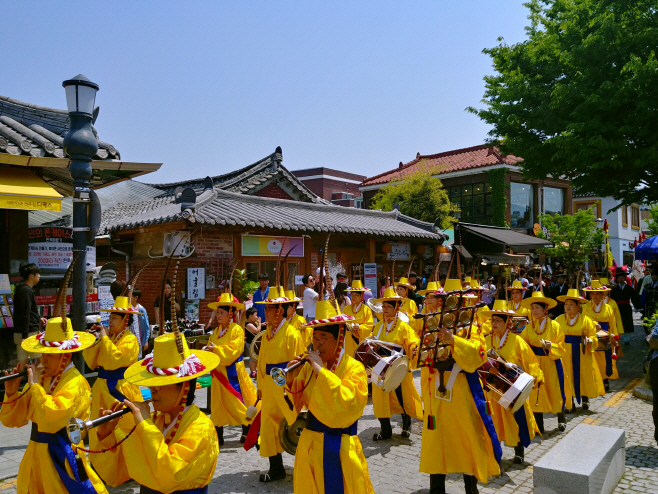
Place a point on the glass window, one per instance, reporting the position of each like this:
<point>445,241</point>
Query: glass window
<point>478,188</point>
<point>624,216</point>
<point>455,192</point>
<point>478,200</point>
<point>478,211</point>
<point>586,205</point>
<point>488,187</point>
<point>467,190</point>
<point>553,200</point>
<point>635,217</point>
<point>467,202</point>
<point>488,198</point>
<point>522,205</point>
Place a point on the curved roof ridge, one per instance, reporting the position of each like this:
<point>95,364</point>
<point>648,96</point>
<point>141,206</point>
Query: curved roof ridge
<point>33,106</point>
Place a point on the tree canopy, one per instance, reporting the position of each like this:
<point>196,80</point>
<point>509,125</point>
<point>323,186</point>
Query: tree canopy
<point>419,196</point>
<point>579,97</point>
<point>652,223</point>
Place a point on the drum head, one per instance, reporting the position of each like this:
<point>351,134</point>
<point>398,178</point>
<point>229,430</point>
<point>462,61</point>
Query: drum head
<point>395,374</point>
<point>526,389</point>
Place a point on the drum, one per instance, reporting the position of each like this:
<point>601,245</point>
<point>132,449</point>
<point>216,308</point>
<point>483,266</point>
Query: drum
<point>508,384</point>
<point>385,363</point>
<point>604,341</point>
<point>519,323</point>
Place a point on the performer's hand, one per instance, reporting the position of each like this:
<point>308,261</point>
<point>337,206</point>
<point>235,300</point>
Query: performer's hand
<point>43,322</point>
<point>588,343</point>
<point>294,360</point>
<point>146,346</point>
<point>31,372</point>
<point>210,347</point>
<point>259,395</point>
<point>547,344</point>
<point>141,410</point>
<point>11,386</point>
<point>446,336</point>
<point>102,332</point>
<point>315,361</point>
<point>107,428</point>
<point>598,326</point>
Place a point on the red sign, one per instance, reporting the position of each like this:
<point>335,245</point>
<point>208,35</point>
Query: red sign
<point>51,299</point>
<point>50,232</point>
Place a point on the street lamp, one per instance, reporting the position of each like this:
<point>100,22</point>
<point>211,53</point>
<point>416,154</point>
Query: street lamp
<point>80,144</point>
<point>599,225</point>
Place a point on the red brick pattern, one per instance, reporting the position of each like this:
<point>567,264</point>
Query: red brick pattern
<point>273,191</point>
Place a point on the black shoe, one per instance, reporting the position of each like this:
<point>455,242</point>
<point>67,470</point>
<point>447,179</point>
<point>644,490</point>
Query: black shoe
<point>276,472</point>
<point>245,431</point>
<point>571,410</point>
<point>585,403</point>
<point>386,432</point>
<point>519,454</point>
<point>437,483</point>
<point>606,385</point>
<point>471,484</point>
<point>220,435</point>
<point>406,425</point>
<point>561,422</point>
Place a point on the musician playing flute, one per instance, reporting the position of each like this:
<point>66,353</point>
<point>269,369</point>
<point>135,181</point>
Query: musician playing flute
<point>583,376</point>
<point>231,389</point>
<point>280,344</point>
<point>405,399</point>
<point>546,339</point>
<point>50,464</point>
<point>173,449</point>
<point>362,315</point>
<point>518,429</point>
<point>604,318</point>
<point>334,388</point>
<point>458,434</point>
<point>295,320</point>
<point>116,349</point>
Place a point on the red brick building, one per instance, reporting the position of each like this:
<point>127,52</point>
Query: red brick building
<point>339,187</point>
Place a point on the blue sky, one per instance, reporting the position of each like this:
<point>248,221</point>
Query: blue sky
<point>208,87</point>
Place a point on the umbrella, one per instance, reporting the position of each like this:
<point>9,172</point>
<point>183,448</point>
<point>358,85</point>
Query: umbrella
<point>647,250</point>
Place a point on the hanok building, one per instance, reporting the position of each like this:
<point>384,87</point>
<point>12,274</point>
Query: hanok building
<point>339,187</point>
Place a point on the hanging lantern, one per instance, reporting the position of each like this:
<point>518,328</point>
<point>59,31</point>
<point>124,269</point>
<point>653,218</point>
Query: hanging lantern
<point>386,248</point>
<point>420,250</point>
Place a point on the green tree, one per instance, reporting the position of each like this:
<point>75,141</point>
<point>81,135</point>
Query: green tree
<point>579,97</point>
<point>652,223</point>
<point>419,196</point>
<point>575,238</point>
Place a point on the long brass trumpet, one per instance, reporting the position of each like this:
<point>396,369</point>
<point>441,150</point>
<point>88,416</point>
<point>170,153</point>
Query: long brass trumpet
<point>279,375</point>
<point>9,377</point>
<point>77,429</point>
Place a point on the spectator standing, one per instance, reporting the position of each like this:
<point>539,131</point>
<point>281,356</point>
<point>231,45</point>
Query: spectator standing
<point>253,326</point>
<point>341,295</point>
<point>489,292</point>
<point>310,298</point>
<point>168,300</point>
<point>262,294</point>
<point>26,313</point>
<point>140,326</point>
<point>624,295</point>
<point>411,294</point>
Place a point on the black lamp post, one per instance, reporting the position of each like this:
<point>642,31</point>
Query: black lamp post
<point>80,144</point>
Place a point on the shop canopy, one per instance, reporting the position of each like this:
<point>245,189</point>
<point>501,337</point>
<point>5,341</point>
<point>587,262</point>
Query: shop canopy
<point>22,189</point>
<point>647,250</point>
<point>503,238</point>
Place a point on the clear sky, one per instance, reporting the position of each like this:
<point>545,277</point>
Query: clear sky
<point>208,87</point>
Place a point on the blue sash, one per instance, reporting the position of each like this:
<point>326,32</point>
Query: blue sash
<point>232,374</point>
<point>269,367</point>
<point>608,353</point>
<point>112,378</point>
<point>540,352</point>
<point>59,448</point>
<point>333,470</point>
<point>480,403</point>
<point>522,422</point>
<point>575,342</point>
<point>198,490</point>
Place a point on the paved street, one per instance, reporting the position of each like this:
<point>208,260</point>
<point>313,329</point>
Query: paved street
<point>393,464</point>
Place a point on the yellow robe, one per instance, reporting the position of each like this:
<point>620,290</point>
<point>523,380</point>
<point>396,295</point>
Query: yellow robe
<point>112,355</point>
<point>297,321</point>
<point>606,314</point>
<point>187,462</point>
<point>286,344</point>
<point>363,317</point>
<point>550,394</point>
<point>516,351</point>
<point>226,408</point>
<point>336,399</point>
<point>520,311</point>
<point>387,404</point>
<point>615,308</point>
<point>70,398</point>
<point>591,384</point>
<point>460,442</point>
<point>481,322</point>
<point>410,308</point>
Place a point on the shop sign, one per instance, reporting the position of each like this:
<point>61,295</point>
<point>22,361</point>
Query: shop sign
<point>34,203</point>
<point>262,245</point>
<point>51,249</point>
<point>370,276</point>
<point>192,310</point>
<point>106,301</point>
<point>5,286</point>
<point>196,283</point>
<point>399,252</point>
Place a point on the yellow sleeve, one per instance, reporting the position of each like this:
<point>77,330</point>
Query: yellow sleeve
<point>529,361</point>
<point>230,351</point>
<point>365,328</point>
<point>469,354</point>
<point>413,308</point>
<point>614,327</point>
<point>557,341</point>
<point>339,402</point>
<point>111,465</point>
<point>15,414</point>
<point>154,464</point>
<point>296,344</point>
<point>91,355</point>
<point>52,412</point>
<point>123,354</point>
<point>410,342</point>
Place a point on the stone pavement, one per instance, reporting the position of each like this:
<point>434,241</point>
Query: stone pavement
<point>393,464</point>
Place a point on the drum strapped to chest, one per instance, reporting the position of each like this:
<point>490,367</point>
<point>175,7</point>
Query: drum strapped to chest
<point>385,363</point>
<point>518,324</point>
<point>604,341</point>
<point>507,383</point>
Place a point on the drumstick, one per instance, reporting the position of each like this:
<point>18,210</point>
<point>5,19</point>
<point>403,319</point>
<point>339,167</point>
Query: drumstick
<point>538,386</point>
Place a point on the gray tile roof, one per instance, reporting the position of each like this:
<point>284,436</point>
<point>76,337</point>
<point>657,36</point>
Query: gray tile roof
<point>222,208</point>
<point>39,131</point>
<point>252,178</point>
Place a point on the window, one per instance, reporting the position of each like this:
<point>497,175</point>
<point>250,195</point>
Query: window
<point>522,205</point>
<point>624,216</point>
<point>635,217</point>
<point>553,200</point>
<point>583,205</point>
<point>474,201</point>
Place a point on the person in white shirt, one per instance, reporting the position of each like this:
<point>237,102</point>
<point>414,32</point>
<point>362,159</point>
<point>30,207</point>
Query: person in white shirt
<point>310,297</point>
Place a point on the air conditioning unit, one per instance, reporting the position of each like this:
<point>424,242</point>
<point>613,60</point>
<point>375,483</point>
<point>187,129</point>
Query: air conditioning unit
<point>178,240</point>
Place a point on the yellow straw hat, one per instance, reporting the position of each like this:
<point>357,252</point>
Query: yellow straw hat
<point>326,314</point>
<point>572,294</point>
<point>357,286</point>
<point>122,306</point>
<point>276,295</point>
<point>596,286</point>
<point>226,300</point>
<point>165,365</point>
<point>57,339</point>
<point>405,283</point>
<point>475,285</point>
<point>432,287</point>
<point>499,307</point>
<point>604,281</point>
<point>452,285</point>
<point>390,295</point>
<point>516,285</point>
<point>290,295</point>
<point>538,297</point>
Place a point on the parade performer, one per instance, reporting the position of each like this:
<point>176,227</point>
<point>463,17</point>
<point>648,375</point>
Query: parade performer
<point>623,294</point>
<point>116,349</point>
<point>280,344</point>
<point>231,389</point>
<point>603,316</point>
<point>518,429</point>
<point>362,315</point>
<point>405,399</point>
<point>613,305</point>
<point>407,305</point>
<point>481,322</point>
<point>458,434</point>
<point>173,449</point>
<point>546,339</point>
<point>580,342</point>
<point>295,320</point>
<point>50,465</point>
<point>334,388</point>
<point>516,291</point>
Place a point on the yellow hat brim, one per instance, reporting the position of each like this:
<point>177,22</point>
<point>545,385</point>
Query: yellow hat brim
<point>389,299</point>
<point>489,313</point>
<point>600,290</point>
<point>32,345</point>
<point>125,312</point>
<point>527,302</point>
<point>564,298</point>
<point>139,375</point>
<point>236,305</point>
<point>410,287</point>
<point>425,292</point>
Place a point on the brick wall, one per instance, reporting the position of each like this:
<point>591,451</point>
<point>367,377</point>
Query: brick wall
<point>273,191</point>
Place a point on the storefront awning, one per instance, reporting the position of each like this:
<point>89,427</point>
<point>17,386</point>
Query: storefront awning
<point>514,259</point>
<point>504,237</point>
<point>22,189</point>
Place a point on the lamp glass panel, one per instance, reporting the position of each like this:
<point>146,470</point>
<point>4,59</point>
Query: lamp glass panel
<point>86,99</point>
<point>71,102</point>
